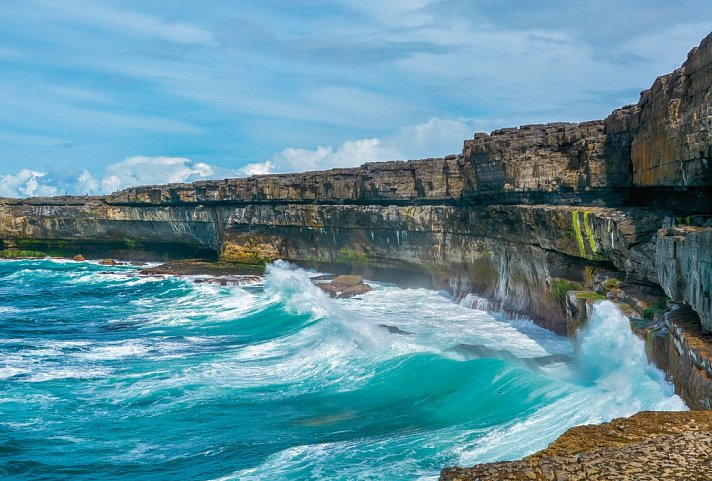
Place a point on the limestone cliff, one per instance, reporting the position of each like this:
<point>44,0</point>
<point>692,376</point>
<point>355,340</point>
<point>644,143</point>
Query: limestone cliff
<point>521,216</point>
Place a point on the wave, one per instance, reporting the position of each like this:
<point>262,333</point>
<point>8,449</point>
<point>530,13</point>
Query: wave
<point>278,381</point>
<point>614,359</point>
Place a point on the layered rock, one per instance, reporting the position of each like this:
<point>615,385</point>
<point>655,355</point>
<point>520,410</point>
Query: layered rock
<point>560,157</point>
<point>684,267</point>
<point>460,219</point>
<point>672,142</point>
<point>647,446</point>
<point>428,180</point>
<point>591,163</point>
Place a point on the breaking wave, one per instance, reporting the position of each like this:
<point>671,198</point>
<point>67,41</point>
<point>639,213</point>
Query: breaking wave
<point>123,377</point>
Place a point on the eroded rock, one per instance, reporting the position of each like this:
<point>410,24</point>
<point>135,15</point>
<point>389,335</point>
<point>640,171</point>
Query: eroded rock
<point>345,286</point>
<point>648,446</point>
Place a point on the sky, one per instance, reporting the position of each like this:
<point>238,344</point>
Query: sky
<point>100,95</point>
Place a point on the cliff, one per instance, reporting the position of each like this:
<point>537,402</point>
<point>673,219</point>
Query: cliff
<point>521,216</point>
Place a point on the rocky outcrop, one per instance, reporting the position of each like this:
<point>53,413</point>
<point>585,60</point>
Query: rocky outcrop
<point>464,220</point>
<point>428,180</point>
<point>684,351</point>
<point>672,142</point>
<point>558,157</point>
<point>345,286</point>
<point>517,217</point>
<point>684,267</point>
<point>647,446</point>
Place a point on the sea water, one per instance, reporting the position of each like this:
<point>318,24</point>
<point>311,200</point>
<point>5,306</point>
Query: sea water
<point>107,375</point>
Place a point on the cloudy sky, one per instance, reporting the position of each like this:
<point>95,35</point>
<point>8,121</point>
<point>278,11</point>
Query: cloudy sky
<point>98,95</point>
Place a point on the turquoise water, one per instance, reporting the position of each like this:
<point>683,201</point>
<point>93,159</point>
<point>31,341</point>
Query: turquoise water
<point>118,377</point>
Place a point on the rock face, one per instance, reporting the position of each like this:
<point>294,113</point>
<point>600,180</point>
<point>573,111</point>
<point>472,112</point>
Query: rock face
<point>647,446</point>
<point>672,144</point>
<point>557,157</point>
<point>684,267</point>
<point>536,219</point>
<point>345,286</point>
<point>517,217</point>
<point>514,217</point>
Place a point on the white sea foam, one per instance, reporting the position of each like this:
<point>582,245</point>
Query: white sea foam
<point>619,382</point>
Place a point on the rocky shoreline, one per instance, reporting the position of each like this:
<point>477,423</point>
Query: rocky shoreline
<point>646,446</point>
<point>541,219</point>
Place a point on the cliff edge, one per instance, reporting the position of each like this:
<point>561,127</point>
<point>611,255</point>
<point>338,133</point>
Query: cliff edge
<point>522,217</point>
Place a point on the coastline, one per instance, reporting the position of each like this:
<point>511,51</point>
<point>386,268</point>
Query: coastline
<point>543,220</point>
<point>582,452</point>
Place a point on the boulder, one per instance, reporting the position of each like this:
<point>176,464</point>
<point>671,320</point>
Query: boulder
<point>331,290</point>
<point>356,290</point>
<point>347,281</point>
<point>108,262</point>
<point>343,287</point>
<point>78,258</point>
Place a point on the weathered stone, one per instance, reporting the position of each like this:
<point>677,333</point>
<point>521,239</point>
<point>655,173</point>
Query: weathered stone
<point>327,287</point>
<point>354,291</point>
<point>684,267</point>
<point>78,258</point>
<point>108,262</point>
<point>347,281</point>
<point>672,144</point>
<point>648,446</point>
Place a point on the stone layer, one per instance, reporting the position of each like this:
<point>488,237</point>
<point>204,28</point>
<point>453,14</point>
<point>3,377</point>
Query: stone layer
<point>647,446</point>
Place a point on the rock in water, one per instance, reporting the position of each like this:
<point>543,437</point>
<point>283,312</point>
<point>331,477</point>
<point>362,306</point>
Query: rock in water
<point>356,290</point>
<point>108,262</point>
<point>347,281</point>
<point>78,258</point>
<point>343,287</point>
<point>332,291</point>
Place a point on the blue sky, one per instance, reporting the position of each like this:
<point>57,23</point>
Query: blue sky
<point>98,95</point>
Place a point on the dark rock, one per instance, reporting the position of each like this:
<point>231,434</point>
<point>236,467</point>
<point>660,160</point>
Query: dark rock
<point>395,330</point>
<point>331,290</point>
<point>230,280</point>
<point>352,291</point>
<point>108,262</point>
<point>197,267</point>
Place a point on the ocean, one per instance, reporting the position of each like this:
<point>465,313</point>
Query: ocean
<point>108,375</point>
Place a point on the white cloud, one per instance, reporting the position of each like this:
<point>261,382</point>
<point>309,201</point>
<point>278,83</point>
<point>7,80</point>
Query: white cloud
<point>25,183</point>
<point>435,138</point>
<point>349,154</point>
<point>137,170</point>
<point>141,170</point>
<point>261,168</point>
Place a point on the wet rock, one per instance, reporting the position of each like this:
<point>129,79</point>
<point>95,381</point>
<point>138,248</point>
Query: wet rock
<point>331,290</point>
<point>395,330</point>
<point>353,291</point>
<point>108,262</point>
<point>347,281</point>
<point>230,280</point>
<point>345,286</point>
<point>78,258</point>
<point>196,268</point>
<point>683,258</point>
